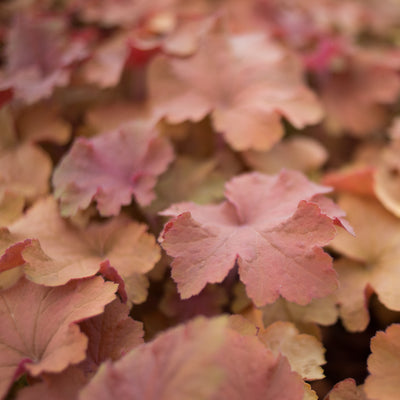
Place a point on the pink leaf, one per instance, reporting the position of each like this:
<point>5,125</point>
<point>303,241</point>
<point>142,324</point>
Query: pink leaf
<point>245,82</point>
<point>179,364</point>
<point>111,168</point>
<point>39,54</point>
<point>201,360</point>
<point>269,226</point>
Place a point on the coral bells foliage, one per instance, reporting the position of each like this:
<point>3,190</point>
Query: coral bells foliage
<point>199,200</point>
<point>39,331</point>
<point>247,84</point>
<point>272,226</point>
<point>202,360</point>
<point>111,168</point>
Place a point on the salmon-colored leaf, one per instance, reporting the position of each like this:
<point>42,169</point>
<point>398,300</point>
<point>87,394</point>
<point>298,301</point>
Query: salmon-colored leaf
<point>383,383</point>
<point>37,329</point>
<point>247,84</point>
<point>371,263</point>
<point>61,251</point>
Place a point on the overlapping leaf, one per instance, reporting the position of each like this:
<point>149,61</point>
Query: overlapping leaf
<point>63,386</point>
<point>346,390</point>
<point>382,384</point>
<point>304,352</point>
<point>25,170</point>
<point>38,56</point>
<point>300,153</point>
<point>180,364</point>
<point>38,332</point>
<point>111,335</point>
<point>112,168</point>
<point>372,257</point>
<point>53,261</point>
<point>245,82</point>
<point>201,360</point>
<point>275,235</point>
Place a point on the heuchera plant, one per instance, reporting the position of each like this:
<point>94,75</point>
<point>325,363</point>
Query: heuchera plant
<point>199,200</point>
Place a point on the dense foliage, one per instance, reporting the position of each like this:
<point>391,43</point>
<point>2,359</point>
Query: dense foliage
<point>200,200</point>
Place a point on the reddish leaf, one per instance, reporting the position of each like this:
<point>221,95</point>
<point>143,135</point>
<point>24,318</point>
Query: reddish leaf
<point>6,95</point>
<point>111,335</point>
<point>111,274</point>
<point>39,53</point>
<point>111,168</point>
<point>245,82</point>
<point>275,235</point>
<point>11,250</point>
<point>208,303</point>
<point>140,54</point>
<point>37,329</point>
